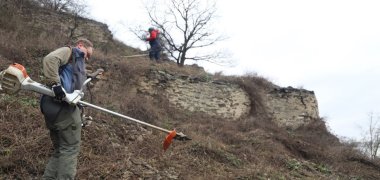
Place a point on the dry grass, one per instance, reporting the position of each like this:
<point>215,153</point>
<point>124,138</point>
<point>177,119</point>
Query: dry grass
<point>21,134</point>
<point>252,147</point>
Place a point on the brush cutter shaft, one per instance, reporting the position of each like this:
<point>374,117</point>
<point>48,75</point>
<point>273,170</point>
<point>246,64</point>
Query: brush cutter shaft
<point>137,55</point>
<point>123,116</point>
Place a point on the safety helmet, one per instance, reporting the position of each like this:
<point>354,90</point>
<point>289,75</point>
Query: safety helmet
<point>150,29</point>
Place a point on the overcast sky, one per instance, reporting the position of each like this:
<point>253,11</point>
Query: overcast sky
<point>328,46</point>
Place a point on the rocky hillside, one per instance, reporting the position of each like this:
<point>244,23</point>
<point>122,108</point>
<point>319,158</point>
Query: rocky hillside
<point>241,127</point>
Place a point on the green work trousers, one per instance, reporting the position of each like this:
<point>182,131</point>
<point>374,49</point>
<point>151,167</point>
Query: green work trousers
<point>64,123</point>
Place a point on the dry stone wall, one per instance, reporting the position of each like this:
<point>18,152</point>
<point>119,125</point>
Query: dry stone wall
<point>218,99</point>
<point>289,107</point>
<point>224,100</point>
<point>292,107</point>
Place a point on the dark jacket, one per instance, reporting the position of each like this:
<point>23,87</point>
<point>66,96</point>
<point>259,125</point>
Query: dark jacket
<point>79,69</point>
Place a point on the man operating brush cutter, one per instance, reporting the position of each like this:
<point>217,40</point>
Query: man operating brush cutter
<point>15,78</point>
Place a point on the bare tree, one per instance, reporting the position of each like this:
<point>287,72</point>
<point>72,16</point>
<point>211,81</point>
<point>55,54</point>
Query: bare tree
<point>77,8</point>
<point>71,6</point>
<point>57,5</point>
<point>371,139</point>
<point>185,25</point>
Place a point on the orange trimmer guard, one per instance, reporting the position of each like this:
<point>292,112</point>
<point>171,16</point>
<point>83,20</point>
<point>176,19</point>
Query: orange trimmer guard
<point>168,139</point>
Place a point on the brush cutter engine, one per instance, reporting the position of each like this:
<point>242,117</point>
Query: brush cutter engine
<point>15,78</point>
<point>12,77</point>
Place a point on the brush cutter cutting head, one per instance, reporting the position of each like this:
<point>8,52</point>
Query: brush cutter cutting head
<point>12,78</point>
<point>168,139</point>
<point>174,135</point>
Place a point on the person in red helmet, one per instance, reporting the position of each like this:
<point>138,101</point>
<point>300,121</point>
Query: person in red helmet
<point>155,45</point>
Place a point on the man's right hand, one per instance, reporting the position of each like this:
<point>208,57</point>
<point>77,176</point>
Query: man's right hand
<point>59,92</point>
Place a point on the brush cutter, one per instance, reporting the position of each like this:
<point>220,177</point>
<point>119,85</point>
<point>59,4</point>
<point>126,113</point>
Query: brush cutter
<point>136,55</point>
<point>15,78</point>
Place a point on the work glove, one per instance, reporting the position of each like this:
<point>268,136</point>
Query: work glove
<point>59,92</point>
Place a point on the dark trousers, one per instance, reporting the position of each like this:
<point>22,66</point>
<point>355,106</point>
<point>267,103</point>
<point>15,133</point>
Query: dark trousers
<point>64,123</point>
<point>155,53</point>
